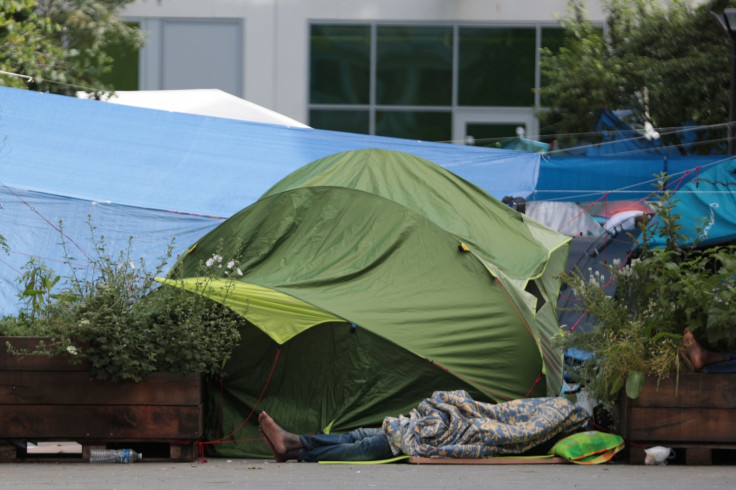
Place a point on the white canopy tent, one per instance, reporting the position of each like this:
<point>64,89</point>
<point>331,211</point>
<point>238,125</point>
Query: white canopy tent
<point>204,102</point>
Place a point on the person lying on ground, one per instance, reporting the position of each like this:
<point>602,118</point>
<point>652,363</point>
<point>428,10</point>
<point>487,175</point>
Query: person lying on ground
<point>358,445</point>
<point>449,424</point>
<point>697,358</point>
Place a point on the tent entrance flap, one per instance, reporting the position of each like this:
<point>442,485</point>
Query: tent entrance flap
<point>279,315</point>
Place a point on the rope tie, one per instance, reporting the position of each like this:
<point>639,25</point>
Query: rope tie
<point>229,438</point>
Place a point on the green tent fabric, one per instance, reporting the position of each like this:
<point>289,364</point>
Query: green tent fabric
<point>370,279</point>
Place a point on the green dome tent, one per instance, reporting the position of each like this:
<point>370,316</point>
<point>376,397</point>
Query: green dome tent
<point>371,278</point>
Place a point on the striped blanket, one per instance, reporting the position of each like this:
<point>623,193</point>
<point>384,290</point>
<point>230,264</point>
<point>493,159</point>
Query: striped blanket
<point>450,424</point>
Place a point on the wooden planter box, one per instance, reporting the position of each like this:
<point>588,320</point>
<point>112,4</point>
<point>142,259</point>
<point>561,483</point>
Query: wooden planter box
<point>44,398</point>
<point>693,412</point>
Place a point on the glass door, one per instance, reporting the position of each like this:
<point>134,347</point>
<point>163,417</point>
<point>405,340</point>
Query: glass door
<point>489,127</point>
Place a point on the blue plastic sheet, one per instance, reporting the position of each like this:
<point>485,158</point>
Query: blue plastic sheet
<point>158,175</point>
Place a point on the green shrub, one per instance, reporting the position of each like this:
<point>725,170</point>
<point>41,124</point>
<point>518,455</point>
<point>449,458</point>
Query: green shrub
<point>112,312</point>
<point>659,293</point>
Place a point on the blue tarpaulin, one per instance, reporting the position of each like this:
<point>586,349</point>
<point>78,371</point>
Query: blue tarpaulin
<point>707,201</point>
<point>619,139</point>
<point>586,179</point>
<point>624,164</point>
<point>158,175</point>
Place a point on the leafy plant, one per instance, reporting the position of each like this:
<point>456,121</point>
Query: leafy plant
<point>659,293</point>
<point>60,46</point>
<point>111,312</point>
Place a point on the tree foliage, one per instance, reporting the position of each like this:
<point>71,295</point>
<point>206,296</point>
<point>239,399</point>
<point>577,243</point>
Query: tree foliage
<point>62,45</point>
<point>27,46</point>
<point>667,62</point>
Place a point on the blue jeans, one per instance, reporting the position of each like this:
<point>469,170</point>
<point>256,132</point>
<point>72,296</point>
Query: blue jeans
<point>358,445</point>
<point>727,366</point>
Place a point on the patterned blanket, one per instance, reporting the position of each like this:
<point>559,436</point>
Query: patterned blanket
<point>451,424</point>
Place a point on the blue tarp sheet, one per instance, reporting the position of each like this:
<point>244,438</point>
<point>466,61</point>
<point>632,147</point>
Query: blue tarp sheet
<point>624,163</point>
<point>708,201</point>
<point>618,139</point>
<point>585,179</point>
<point>158,175</point>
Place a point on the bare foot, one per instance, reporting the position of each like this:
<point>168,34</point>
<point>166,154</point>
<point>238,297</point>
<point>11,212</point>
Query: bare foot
<point>697,354</point>
<point>276,455</point>
<point>282,444</point>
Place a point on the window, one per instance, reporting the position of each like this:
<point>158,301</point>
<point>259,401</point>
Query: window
<point>497,66</point>
<point>339,70</point>
<point>414,81</point>
<point>489,134</point>
<point>414,66</point>
<point>340,120</point>
<point>417,125</point>
<point>553,38</point>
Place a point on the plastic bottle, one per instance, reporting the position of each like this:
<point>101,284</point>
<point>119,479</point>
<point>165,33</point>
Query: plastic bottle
<point>114,456</point>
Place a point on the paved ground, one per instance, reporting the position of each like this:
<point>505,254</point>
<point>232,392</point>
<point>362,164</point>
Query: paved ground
<point>260,474</point>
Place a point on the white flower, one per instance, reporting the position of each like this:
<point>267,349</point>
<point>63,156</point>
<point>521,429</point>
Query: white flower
<point>211,261</point>
<point>240,273</point>
<point>71,350</point>
<point>231,264</point>
<point>131,264</point>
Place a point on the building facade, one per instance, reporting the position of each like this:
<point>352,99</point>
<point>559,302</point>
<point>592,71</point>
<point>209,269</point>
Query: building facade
<point>439,70</point>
